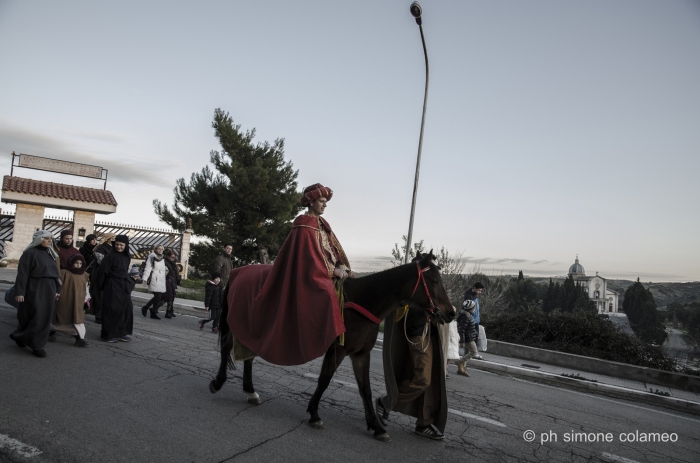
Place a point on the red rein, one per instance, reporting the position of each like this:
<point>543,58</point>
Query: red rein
<point>370,316</point>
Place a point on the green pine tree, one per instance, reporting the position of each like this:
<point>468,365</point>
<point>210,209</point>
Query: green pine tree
<point>249,202</point>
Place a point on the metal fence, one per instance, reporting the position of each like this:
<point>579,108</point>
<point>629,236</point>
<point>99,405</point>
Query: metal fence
<point>7,227</point>
<point>56,225</point>
<point>142,240</point>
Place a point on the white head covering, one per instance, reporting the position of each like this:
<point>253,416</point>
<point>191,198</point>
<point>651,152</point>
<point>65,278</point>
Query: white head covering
<point>38,237</point>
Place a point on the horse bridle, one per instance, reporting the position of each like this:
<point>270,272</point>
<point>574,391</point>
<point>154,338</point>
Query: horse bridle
<point>432,310</point>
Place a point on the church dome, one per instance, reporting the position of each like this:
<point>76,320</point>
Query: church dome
<point>577,269</point>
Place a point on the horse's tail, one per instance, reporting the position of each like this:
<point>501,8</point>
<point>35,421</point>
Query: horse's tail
<point>225,335</point>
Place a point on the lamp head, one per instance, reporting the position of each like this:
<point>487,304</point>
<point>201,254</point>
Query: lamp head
<point>416,11</point>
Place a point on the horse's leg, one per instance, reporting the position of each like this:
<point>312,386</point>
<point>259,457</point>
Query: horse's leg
<point>360,365</point>
<point>253,397</point>
<point>334,357</point>
<point>226,347</point>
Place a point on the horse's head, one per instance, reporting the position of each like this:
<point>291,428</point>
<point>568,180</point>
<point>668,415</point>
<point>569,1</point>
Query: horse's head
<point>429,292</point>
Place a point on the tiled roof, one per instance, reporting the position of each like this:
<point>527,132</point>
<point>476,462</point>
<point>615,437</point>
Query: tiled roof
<point>58,190</point>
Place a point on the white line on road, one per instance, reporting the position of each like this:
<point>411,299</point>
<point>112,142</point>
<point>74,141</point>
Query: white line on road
<point>152,337</point>
<point>476,417</point>
<point>449,410</point>
<point>27,451</point>
<point>610,456</point>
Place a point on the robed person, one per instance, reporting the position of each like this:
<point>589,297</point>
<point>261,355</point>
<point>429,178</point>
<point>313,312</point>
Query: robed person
<point>414,371</point>
<point>87,251</point>
<point>69,317</point>
<point>37,286</point>
<point>112,278</point>
<point>288,313</point>
<point>65,247</point>
<point>104,247</point>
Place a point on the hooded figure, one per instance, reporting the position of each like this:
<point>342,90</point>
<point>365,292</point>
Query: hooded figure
<point>103,248</point>
<point>112,278</point>
<point>87,250</point>
<point>36,288</point>
<point>65,247</point>
<point>69,317</point>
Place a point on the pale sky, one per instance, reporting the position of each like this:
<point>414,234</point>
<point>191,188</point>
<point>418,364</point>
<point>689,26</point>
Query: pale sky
<point>553,128</point>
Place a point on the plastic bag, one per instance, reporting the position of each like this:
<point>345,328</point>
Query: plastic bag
<point>481,342</point>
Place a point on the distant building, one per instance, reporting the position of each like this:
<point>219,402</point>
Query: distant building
<point>606,300</point>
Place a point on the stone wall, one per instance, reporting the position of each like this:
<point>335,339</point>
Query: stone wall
<point>82,219</point>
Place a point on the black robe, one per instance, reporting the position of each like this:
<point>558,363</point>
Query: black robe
<point>112,278</point>
<point>95,292</point>
<point>38,281</point>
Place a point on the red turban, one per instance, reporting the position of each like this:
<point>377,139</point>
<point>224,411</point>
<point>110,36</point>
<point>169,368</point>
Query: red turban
<point>315,191</point>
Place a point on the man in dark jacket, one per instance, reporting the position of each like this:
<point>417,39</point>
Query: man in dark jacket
<point>223,264</point>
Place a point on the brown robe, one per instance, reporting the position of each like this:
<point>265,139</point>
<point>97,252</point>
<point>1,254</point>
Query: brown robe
<point>69,307</point>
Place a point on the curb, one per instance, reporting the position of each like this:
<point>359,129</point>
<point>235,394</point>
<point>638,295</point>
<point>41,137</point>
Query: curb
<point>588,386</point>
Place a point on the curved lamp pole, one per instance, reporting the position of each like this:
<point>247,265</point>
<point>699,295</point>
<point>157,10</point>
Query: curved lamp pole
<point>417,11</point>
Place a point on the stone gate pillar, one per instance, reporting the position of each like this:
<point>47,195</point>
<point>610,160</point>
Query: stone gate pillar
<point>28,219</point>
<point>84,220</point>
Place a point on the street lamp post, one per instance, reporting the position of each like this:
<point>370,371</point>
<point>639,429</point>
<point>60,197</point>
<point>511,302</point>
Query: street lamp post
<point>417,11</point>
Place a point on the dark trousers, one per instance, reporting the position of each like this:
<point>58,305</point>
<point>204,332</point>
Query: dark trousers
<point>214,315</point>
<point>154,303</point>
<point>417,387</point>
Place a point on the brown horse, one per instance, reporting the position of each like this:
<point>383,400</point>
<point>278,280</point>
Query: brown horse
<point>417,284</point>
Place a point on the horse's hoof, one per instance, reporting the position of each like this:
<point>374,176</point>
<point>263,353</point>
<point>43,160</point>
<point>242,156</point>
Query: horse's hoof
<point>317,424</point>
<point>254,398</point>
<point>212,387</point>
<point>383,437</point>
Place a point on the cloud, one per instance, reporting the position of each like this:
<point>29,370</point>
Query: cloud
<point>122,167</point>
<point>539,262</point>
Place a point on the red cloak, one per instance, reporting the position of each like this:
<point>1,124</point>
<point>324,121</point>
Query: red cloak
<point>288,313</point>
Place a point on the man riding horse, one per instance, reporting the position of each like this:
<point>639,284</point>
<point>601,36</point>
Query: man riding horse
<point>288,313</point>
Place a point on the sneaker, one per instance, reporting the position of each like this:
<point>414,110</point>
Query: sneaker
<point>382,412</point>
<point>478,357</point>
<point>201,324</point>
<point>125,338</point>
<point>215,330</point>
<point>447,376</point>
<point>112,340</point>
<point>430,432</point>
<point>52,336</point>
<point>41,353</point>
<point>80,343</point>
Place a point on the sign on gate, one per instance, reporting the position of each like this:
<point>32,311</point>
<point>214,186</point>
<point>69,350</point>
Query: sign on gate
<point>62,167</point>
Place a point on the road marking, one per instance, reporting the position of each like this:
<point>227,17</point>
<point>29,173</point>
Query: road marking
<point>476,417</point>
<point>616,458</point>
<point>449,410</point>
<point>601,398</point>
<point>344,383</point>
<point>152,337</point>
<point>27,451</point>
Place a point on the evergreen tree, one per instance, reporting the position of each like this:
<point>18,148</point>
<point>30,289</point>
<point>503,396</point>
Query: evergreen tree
<point>249,202</point>
<point>640,307</point>
<point>568,297</point>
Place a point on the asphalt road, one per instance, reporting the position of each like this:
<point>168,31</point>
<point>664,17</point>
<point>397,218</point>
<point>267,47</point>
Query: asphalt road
<point>148,400</point>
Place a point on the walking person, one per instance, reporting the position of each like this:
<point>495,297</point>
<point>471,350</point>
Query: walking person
<point>37,287</point>
<point>69,317</point>
<point>452,354</point>
<point>212,302</point>
<point>223,265</point>
<point>467,335</point>
<point>473,294</point>
<point>65,247</point>
<point>154,275</point>
<point>172,279</point>
<point>104,247</point>
<point>112,278</point>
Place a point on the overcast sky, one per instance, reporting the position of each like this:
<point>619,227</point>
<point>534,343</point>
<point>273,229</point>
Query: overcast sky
<point>553,128</point>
